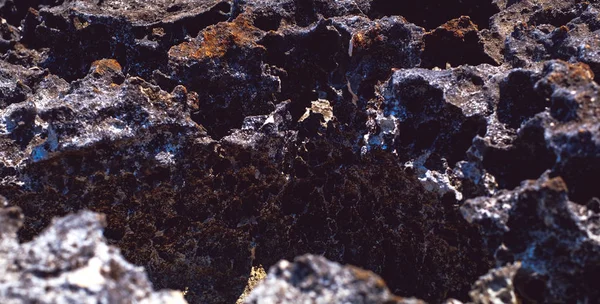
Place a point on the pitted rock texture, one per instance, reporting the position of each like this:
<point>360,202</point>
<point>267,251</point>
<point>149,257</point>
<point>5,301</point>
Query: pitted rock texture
<point>555,240</point>
<point>314,279</point>
<point>497,286</point>
<point>450,147</point>
<point>69,262</point>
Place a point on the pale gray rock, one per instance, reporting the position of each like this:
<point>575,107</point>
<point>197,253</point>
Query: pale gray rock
<point>70,262</point>
<point>497,286</point>
<point>557,241</point>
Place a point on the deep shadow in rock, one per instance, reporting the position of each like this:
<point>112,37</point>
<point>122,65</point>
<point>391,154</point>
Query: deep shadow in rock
<point>456,42</point>
<point>527,158</point>
<point>376,213</point>
<point>432,13</point>
<point>427,115</point>
<point>579,171</point>
<point>518,99</point>
<point>317,52</point>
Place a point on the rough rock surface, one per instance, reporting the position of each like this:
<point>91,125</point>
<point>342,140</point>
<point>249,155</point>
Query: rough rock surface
<point>69,262</point>
<point>450,147</point>
<point>314,279</point>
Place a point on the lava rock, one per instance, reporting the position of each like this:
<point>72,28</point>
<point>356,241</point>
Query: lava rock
<point>461,36</point>
<point>554,239</point>
<point>497,286</point>
<point>433,143</point>
<point>70,262</point>
<point>317,280</point>
<point>247,85</point>
<point>138,34</point>
<point>16,83</point>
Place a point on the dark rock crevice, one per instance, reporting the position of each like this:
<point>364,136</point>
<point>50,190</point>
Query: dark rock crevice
<point>431,14</point>
<point>519,101</point>
<point>454,43</point>
<point>528,153</point>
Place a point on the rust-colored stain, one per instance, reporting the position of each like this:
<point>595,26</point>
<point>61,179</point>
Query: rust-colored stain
<point>368,38</point>
<point>366,275</point>
<point>581,71</point>
<point>577,72</point>
<point>556,184</point>
<point>218,39</point>
<point>459,27</point>
<point>103,66</point>
<point>33,11</point>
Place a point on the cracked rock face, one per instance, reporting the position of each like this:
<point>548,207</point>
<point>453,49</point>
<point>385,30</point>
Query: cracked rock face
<point>450,147</point>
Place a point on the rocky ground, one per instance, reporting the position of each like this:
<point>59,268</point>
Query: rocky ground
<point>450,149</point>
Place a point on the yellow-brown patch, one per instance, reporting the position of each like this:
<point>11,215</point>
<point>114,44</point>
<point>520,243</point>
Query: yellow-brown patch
<point>364,40</point>
<point>365,275</point>
<point>103,66</point>
<point>79,24</point>
<point>556,184</point>
<point>158,32</point>
<point>459,27</point>
<point>257,274</point>
<point>579,72</point>
<point>154,94</point>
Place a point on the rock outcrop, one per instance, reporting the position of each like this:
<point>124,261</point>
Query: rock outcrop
<point>314,279</point>
<point>450,147</point>
<point>70,262</point>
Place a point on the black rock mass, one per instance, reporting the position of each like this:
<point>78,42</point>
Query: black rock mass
<point>366,151</point>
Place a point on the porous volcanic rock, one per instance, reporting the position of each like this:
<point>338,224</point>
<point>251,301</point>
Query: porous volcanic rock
<point>136,33</point>
<point>70,262</point>
<point>448,146</point>
<point>555,240</point>
<point>550,225</point>
<point>314,279</point>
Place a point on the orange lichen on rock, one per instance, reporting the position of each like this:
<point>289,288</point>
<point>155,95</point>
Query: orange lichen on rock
<point>218,39</point>
<point>366,39</point>
<point>581,71</point>
<point>577,73</point>
<point>103,66</point>
<point>459,27</point>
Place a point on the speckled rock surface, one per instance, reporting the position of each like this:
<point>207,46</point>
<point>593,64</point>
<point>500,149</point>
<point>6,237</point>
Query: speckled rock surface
<point>450,147</point>
<point>69,262</point>
<point>314,279</point>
